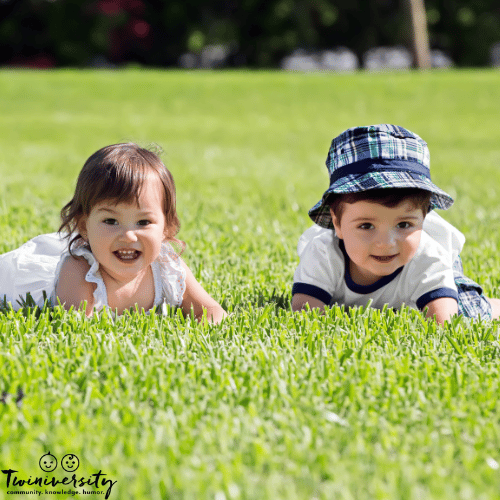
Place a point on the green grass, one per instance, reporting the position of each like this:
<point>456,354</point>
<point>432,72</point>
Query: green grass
<point>270,404</point>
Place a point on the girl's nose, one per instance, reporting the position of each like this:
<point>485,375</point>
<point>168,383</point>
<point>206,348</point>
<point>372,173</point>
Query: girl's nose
<point>128,235</point>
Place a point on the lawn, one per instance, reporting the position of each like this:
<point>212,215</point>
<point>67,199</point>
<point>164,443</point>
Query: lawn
<point>270,404</point>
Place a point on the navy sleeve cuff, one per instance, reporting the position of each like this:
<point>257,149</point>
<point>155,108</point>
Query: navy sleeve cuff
<point>313,291</point>
<point>436,294</point>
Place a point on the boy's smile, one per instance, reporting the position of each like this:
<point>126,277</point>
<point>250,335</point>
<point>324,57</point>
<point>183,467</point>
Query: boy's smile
<point>378,239</point>
<point>384,258</point>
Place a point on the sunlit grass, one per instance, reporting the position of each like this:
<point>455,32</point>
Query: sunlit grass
<point>269,404</point>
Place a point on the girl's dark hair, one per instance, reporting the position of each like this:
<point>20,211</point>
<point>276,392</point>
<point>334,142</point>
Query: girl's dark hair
<point>117,173</point>
<point>389,197</point>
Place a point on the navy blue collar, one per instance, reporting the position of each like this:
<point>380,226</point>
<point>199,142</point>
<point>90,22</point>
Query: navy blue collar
<point>364,289</point>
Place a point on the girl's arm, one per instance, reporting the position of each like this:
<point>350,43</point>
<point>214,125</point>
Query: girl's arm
<point>196,298</point>
<point>71,288</point>
<point>299,301</point>
<point>442,309</point>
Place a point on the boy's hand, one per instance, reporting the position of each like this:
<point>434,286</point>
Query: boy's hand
<point>299,301</point>
<point>442,309</point>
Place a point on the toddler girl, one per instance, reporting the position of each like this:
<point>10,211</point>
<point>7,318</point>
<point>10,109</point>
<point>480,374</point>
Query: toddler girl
<point>113,247</point>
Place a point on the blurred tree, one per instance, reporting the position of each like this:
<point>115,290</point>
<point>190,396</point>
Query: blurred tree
<point>420,37</point>
<point>465,30</point>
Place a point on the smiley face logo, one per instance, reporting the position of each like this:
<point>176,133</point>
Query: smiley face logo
<point>70,462</point>
<point>48,462</point>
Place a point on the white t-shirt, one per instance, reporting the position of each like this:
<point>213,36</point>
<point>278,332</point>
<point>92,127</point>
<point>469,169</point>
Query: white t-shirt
<point>323,271</point>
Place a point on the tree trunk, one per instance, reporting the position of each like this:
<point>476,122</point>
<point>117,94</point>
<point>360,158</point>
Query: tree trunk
<point>420,36</point>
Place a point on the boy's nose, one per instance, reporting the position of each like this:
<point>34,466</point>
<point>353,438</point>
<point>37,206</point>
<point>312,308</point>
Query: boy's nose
<point>386,239</point>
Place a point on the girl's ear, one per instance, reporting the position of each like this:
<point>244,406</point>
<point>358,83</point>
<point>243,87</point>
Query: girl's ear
<point>336,225</point>
<point>81,226</point>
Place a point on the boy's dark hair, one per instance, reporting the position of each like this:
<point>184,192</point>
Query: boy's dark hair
<point>389,197</point>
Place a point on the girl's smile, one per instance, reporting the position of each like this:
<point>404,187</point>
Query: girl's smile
<point>378,239</point>
<point>127,255</point>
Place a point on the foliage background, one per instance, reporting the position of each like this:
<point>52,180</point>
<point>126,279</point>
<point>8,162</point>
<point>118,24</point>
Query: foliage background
<point>260,33</point>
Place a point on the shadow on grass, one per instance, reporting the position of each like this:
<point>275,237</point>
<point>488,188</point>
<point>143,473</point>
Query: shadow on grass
<point>28,306</point>
<point>281,299</point>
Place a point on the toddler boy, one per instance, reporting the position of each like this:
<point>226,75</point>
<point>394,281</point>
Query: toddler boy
<point>377,237</point>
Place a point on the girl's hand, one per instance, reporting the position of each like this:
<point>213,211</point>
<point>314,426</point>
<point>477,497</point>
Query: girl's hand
<point>197,299</point>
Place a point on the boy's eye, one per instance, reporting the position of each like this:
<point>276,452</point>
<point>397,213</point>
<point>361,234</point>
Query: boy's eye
<point>404,225</point>
<point>110,222</point>
<point>365,225</point>
<point>144,222</point>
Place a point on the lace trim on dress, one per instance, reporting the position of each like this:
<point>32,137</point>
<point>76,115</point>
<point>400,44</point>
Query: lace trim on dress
<point>93,275</point>
<point>169,276</point>
<point>173,275</point>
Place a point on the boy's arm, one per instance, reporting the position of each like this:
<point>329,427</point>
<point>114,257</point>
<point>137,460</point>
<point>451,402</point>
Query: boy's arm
<point>319,273</point>
<point>442,309</point>
<point>299,301</point>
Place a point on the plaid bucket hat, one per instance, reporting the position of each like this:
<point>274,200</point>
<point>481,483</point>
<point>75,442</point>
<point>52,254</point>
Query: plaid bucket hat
<point>377,157</point>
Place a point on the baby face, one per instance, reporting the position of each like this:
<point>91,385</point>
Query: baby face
<point>126,238</point>
<point>48,462</point>
<point>70,462</point>
<point>378,239</point>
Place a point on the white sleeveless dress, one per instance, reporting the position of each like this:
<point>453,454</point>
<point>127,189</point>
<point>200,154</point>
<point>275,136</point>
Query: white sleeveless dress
<point>34,268</point>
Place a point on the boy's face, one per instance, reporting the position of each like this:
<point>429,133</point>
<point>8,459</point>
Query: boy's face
<point>378,239</point>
